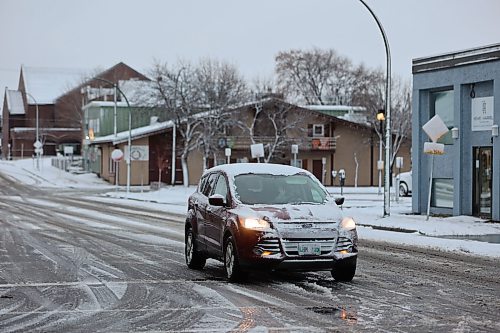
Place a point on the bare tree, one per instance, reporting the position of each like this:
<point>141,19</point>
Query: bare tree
<point>267,122</point>
<point>314,77</point>
<point>220,85</point>
<point>175,90</point>
<point>322,76</point>
<point>370,92</point>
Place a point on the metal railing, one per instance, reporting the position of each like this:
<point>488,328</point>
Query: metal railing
<point>305,144</point>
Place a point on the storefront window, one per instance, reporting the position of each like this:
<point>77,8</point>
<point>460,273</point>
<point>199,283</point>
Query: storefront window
<point>442,105</point>
<point>442,193</point>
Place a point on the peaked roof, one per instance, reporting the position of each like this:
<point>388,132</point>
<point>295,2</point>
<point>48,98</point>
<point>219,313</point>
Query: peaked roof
<point>15,103</point>
<point>46,84</point>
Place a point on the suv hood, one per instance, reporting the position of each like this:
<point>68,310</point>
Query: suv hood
<point>297,221</point>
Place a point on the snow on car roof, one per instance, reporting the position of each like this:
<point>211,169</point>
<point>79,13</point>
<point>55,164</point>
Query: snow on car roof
<point>262,168</point>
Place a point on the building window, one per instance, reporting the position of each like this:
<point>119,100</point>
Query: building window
<point>442,193</point>
<point>442,105</point>
<point>318,130</point>
<point>112,165</point>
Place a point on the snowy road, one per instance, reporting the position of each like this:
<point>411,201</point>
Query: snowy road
<point>73,264</point>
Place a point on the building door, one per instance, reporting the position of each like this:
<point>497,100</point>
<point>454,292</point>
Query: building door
<point>318,169</point>
<point>483,180</point>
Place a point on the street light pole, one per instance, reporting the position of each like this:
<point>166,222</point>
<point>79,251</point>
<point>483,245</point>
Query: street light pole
<point>115,86</point>
<point>380,118</point>
<point>387,192</point>
<point>37,149</point>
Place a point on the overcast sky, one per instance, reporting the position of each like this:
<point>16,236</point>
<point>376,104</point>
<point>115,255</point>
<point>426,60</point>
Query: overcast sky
<point>99,33</point>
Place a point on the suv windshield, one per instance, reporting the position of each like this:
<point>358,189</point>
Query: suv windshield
<point>278,189</point>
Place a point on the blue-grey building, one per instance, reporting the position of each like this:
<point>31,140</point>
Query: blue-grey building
<point>463,88</point>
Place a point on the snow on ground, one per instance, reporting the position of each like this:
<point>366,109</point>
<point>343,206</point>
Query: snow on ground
<point>365,205</point>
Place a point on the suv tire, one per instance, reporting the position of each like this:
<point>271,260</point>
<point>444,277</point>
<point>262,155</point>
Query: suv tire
<point>194,259</point>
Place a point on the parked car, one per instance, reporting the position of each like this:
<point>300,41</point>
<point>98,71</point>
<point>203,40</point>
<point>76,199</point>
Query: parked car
<point>268,217</point>
<point>405,184</point>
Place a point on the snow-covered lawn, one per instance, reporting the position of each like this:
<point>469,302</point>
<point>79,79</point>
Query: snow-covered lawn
<point>365,205</point>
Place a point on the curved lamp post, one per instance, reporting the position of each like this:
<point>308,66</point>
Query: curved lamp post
<point>387,164</point>
<point>129,127</point>
<point>37,149</point>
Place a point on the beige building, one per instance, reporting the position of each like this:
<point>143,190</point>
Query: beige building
<point>325,143</point>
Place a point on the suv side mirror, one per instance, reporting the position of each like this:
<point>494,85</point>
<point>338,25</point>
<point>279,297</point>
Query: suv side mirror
<point>217,200</point>
<point>339,201</point>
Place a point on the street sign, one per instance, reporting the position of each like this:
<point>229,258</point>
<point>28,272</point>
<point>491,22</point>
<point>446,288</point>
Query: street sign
<point>257,150</point>
<point>37,144</point>
<point>117,155</point>
<point>435,128</point>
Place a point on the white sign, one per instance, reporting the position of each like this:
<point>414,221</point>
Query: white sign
<point>137,153</point>
<point>68,150</point>
<point>117,155</point>
<point>295,149</point>
<point>399,162</point>
<point>227,152</point>
<point>482,113</point>
<point>257,150</point>
<point>435,128</point>
<point>37,144</point>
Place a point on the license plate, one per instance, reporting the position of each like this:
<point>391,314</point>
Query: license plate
<point>309,249</point>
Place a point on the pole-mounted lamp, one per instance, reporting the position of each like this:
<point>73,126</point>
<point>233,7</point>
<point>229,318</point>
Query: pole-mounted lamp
<point>388,133</point>
<point>380,164</point>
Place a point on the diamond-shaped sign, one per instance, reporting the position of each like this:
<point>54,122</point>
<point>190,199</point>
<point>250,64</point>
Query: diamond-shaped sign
<point>37,144</point>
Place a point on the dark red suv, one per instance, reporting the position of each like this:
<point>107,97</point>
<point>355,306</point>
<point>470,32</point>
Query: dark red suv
<point>268,216</point>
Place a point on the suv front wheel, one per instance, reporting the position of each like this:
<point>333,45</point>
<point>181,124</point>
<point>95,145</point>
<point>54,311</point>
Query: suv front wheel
<point>231,262</point>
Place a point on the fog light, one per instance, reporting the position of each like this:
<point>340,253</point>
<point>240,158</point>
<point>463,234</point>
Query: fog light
<point>344,252</point>
<point>258,251</point>
<point>266,253</point>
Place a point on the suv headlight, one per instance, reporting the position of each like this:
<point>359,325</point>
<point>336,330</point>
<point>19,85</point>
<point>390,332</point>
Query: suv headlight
<point>347,224</point>
<point>254,223</point>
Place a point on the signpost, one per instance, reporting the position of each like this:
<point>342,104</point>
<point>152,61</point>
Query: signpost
<point>295,151</point>
<point>399,165</point>
<point>38,151</point>
<point>116,156</point>
<point>227,152</point>
<point>257,151</point>
<point>434,128</point>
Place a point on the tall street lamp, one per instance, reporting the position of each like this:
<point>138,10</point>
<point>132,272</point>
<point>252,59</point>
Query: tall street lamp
<point>380,118</point>
<point>387,192</point>
<point>115,86</point>
<point>37,144</point>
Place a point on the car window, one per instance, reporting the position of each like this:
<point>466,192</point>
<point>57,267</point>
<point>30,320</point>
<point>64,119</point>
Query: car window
<point>278,189</point>
<point>221,187</point>
<point>202,184</point>
<point>209,186</point>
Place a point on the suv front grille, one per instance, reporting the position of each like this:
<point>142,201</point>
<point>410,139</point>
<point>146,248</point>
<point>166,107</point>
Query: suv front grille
<point>291,246</point>
<point>343,243</point>
<point>268,245</point>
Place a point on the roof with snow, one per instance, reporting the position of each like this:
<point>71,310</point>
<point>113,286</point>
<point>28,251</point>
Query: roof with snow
<point>135,133</point>
<point>47,84</point>
<point>15,102</point>
<point>354,114</point>
<point>460,58</point>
